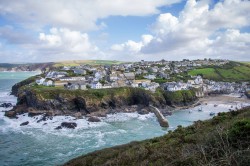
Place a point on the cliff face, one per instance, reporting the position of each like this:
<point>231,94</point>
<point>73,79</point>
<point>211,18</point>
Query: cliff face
<point>58,101</point>
<point>25,67</point>
<point>98,102</point>
<point>17,86</point>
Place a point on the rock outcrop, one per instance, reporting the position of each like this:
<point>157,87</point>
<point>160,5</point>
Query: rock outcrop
<point>81,103</point>
<point>94,119</point>
<point>6,105</point>
<point>69,125</point>
<point>24,123</point>
<point>78,103</point>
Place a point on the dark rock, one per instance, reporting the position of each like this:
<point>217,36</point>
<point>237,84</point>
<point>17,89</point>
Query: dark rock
<point>143,111</point>
<point>80,105</point>
<point>24,123</point>
<point>94,119</point>
<point>104,105</point>
<point>70,125</point>
<point>6,105</point>
<point>165,112</point>
<point>31,114</point>
<point>10,114</point>
<point>58,128</point>
<point>45,118</point>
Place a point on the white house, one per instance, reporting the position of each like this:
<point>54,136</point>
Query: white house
<point>82,86</point>
<point>198,80</point>
<point>135,85</point>
<point>72,79</point>
<point>113,77</point>
<point>80,71</point>
<point>152,87</point>
<point>98,76</point>
<point>96,85</point>
<point>106,86</point>
<point>150,77</point>
<point>40,81</point>
<point>66,68</point>
<point>48,83</point>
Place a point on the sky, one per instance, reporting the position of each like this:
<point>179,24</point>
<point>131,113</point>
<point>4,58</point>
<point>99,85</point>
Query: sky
<point>126,30</point>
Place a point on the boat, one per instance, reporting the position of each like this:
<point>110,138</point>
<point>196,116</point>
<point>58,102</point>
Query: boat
<point>190,111</point>
<point>200,109</point>
<point>211,113</point>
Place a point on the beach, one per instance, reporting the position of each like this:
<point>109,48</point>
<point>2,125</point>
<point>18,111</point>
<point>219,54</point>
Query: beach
<point>231,99</point>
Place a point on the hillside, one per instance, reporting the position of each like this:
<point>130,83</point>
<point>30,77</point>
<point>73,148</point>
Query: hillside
<point>233,71</point>
<point>40,66</point>
<point>25,66</point>
<point>223,140</point>
<point>89,62</point>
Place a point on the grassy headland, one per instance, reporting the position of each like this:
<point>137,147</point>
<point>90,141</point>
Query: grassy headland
<point>223,140</point>
<point>233,71</point>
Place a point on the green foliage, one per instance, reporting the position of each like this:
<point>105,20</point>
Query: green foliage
<point>239,134</point>
<point>139,96</point>
<point>179,97</point>
<point>203,143</point>
<point>160,80</point>
<point>232,71</point>
<point>207,73</point>
<point>139,77</point>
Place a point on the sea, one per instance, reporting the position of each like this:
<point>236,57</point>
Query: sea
<point>40,144</point>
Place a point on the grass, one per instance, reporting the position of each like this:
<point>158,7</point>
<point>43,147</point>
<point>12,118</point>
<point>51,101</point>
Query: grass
<point>233,71</point>
<point>243,69</point>
<point>231,74</point>
<point>223,140</point>
<point>209,73</point>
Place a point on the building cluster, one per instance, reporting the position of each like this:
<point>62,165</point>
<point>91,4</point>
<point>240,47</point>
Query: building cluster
<point>204,86</point>
<point>139,74</point>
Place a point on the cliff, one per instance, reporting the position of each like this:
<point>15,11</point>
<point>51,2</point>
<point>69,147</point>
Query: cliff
<point>36,99</point>
<point>223,140</point>
<point>25,67</point>
<point>59,101</point>
<point>19,85</point>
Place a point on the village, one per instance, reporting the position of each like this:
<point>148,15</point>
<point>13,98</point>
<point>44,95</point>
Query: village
<point>148,75</point>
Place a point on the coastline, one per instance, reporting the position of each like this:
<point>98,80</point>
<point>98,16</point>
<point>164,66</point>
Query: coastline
<point>232,100</point>
<point>91,136</point>
<point>224,99</point>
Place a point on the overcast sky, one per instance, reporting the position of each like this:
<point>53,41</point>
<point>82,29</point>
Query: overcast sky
<point>130,30</point>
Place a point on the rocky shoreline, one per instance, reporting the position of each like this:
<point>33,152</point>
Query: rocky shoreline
<point>96,115</point>
<point>79,104</point>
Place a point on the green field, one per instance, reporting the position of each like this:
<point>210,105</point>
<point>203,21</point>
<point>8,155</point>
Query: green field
<point>230,72</point>
<point>209,73</point>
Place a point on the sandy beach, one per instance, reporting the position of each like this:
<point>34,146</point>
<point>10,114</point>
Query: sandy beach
<point>233,100</point>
